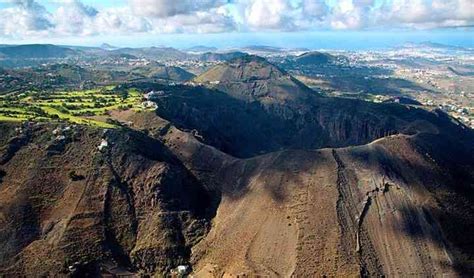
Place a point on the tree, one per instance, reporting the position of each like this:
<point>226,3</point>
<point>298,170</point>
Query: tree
<point>2,174</point>
<point>73,176</point>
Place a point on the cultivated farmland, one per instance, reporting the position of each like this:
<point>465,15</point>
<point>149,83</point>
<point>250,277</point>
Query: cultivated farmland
<point>79,107</point>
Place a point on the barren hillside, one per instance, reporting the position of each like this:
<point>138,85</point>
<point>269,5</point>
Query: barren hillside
<point>273,183</point>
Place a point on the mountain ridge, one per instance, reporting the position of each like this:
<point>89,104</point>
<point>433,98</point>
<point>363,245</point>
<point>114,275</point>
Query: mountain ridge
<point>242,171</point>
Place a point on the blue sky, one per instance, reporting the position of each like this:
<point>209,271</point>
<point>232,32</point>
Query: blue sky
<point>343,24</point>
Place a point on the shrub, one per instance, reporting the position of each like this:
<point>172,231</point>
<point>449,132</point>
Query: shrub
<point>73,176</point>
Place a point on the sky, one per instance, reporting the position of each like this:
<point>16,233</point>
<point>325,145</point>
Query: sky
<point>344,24</point>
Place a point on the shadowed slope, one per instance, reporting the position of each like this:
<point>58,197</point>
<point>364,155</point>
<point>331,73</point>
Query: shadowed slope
<point>402,205</point>
<point>248,128</point>
<point>64,202</point>
<point>337,212</point>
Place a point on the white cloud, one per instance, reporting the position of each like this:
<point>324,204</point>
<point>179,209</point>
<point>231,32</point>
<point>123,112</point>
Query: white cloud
<point>28,18</point>
<point>268,14</point>
<point>120,20</point>
<point>166,8</point>
<point>315,8</point>
<point>24,18</point>
<point>73,17</point>
<point>420,14</point>
<point>213,21</point>
<point>349,14</point>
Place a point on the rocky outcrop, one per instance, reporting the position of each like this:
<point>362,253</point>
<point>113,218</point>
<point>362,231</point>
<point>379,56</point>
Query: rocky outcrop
<point>13,145</point>
<point>265,182</point>
<point>253,107</point>
<point>136,206</point>
<point>246,129</point>
<point>144,205</point>
<point>342,212</point>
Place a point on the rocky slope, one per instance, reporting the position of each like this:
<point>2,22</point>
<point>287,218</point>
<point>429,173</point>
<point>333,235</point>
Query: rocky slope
<point>251,77</point>
<point>66,205</point>
<point>343,212</point>
<point>408,188</point>
<point>253,182</point>
<point>249,112</point>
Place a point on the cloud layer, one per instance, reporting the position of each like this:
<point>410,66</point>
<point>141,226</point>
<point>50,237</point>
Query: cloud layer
<point>29,18</point>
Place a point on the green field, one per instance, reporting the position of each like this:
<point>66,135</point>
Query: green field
<point>74,107</point>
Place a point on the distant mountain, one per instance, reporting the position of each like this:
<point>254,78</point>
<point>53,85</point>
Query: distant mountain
<point>107,46</point>
<point>37,51</point>
<point>201,49</point>
<point>282,110</point>
<point>462,71</point>
<point>435,45</point>
<point>243,69</point>
<point>262,48</point>
<point>315,58</point>
<point>252,77</point>
<point>61,76</point>
<point>45,77</point>
<point>156,53</point>
<point>215,57</point>
<point>122,56</point>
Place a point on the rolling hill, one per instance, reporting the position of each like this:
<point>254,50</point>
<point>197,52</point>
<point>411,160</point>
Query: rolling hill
<point>316,58</point>
<point>251,78</point>
<point>36,51</point>
<point>215,57</point>
<point>158,53</point>
<point>171,73</point>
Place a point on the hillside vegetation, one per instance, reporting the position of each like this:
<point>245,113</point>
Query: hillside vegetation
<point>72,106</point>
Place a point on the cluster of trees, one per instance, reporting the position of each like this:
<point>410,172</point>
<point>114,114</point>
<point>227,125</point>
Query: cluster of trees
<point>72,104</point>
<point>22,110</point>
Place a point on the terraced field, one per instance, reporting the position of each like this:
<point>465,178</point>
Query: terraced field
<point>74,106</point>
